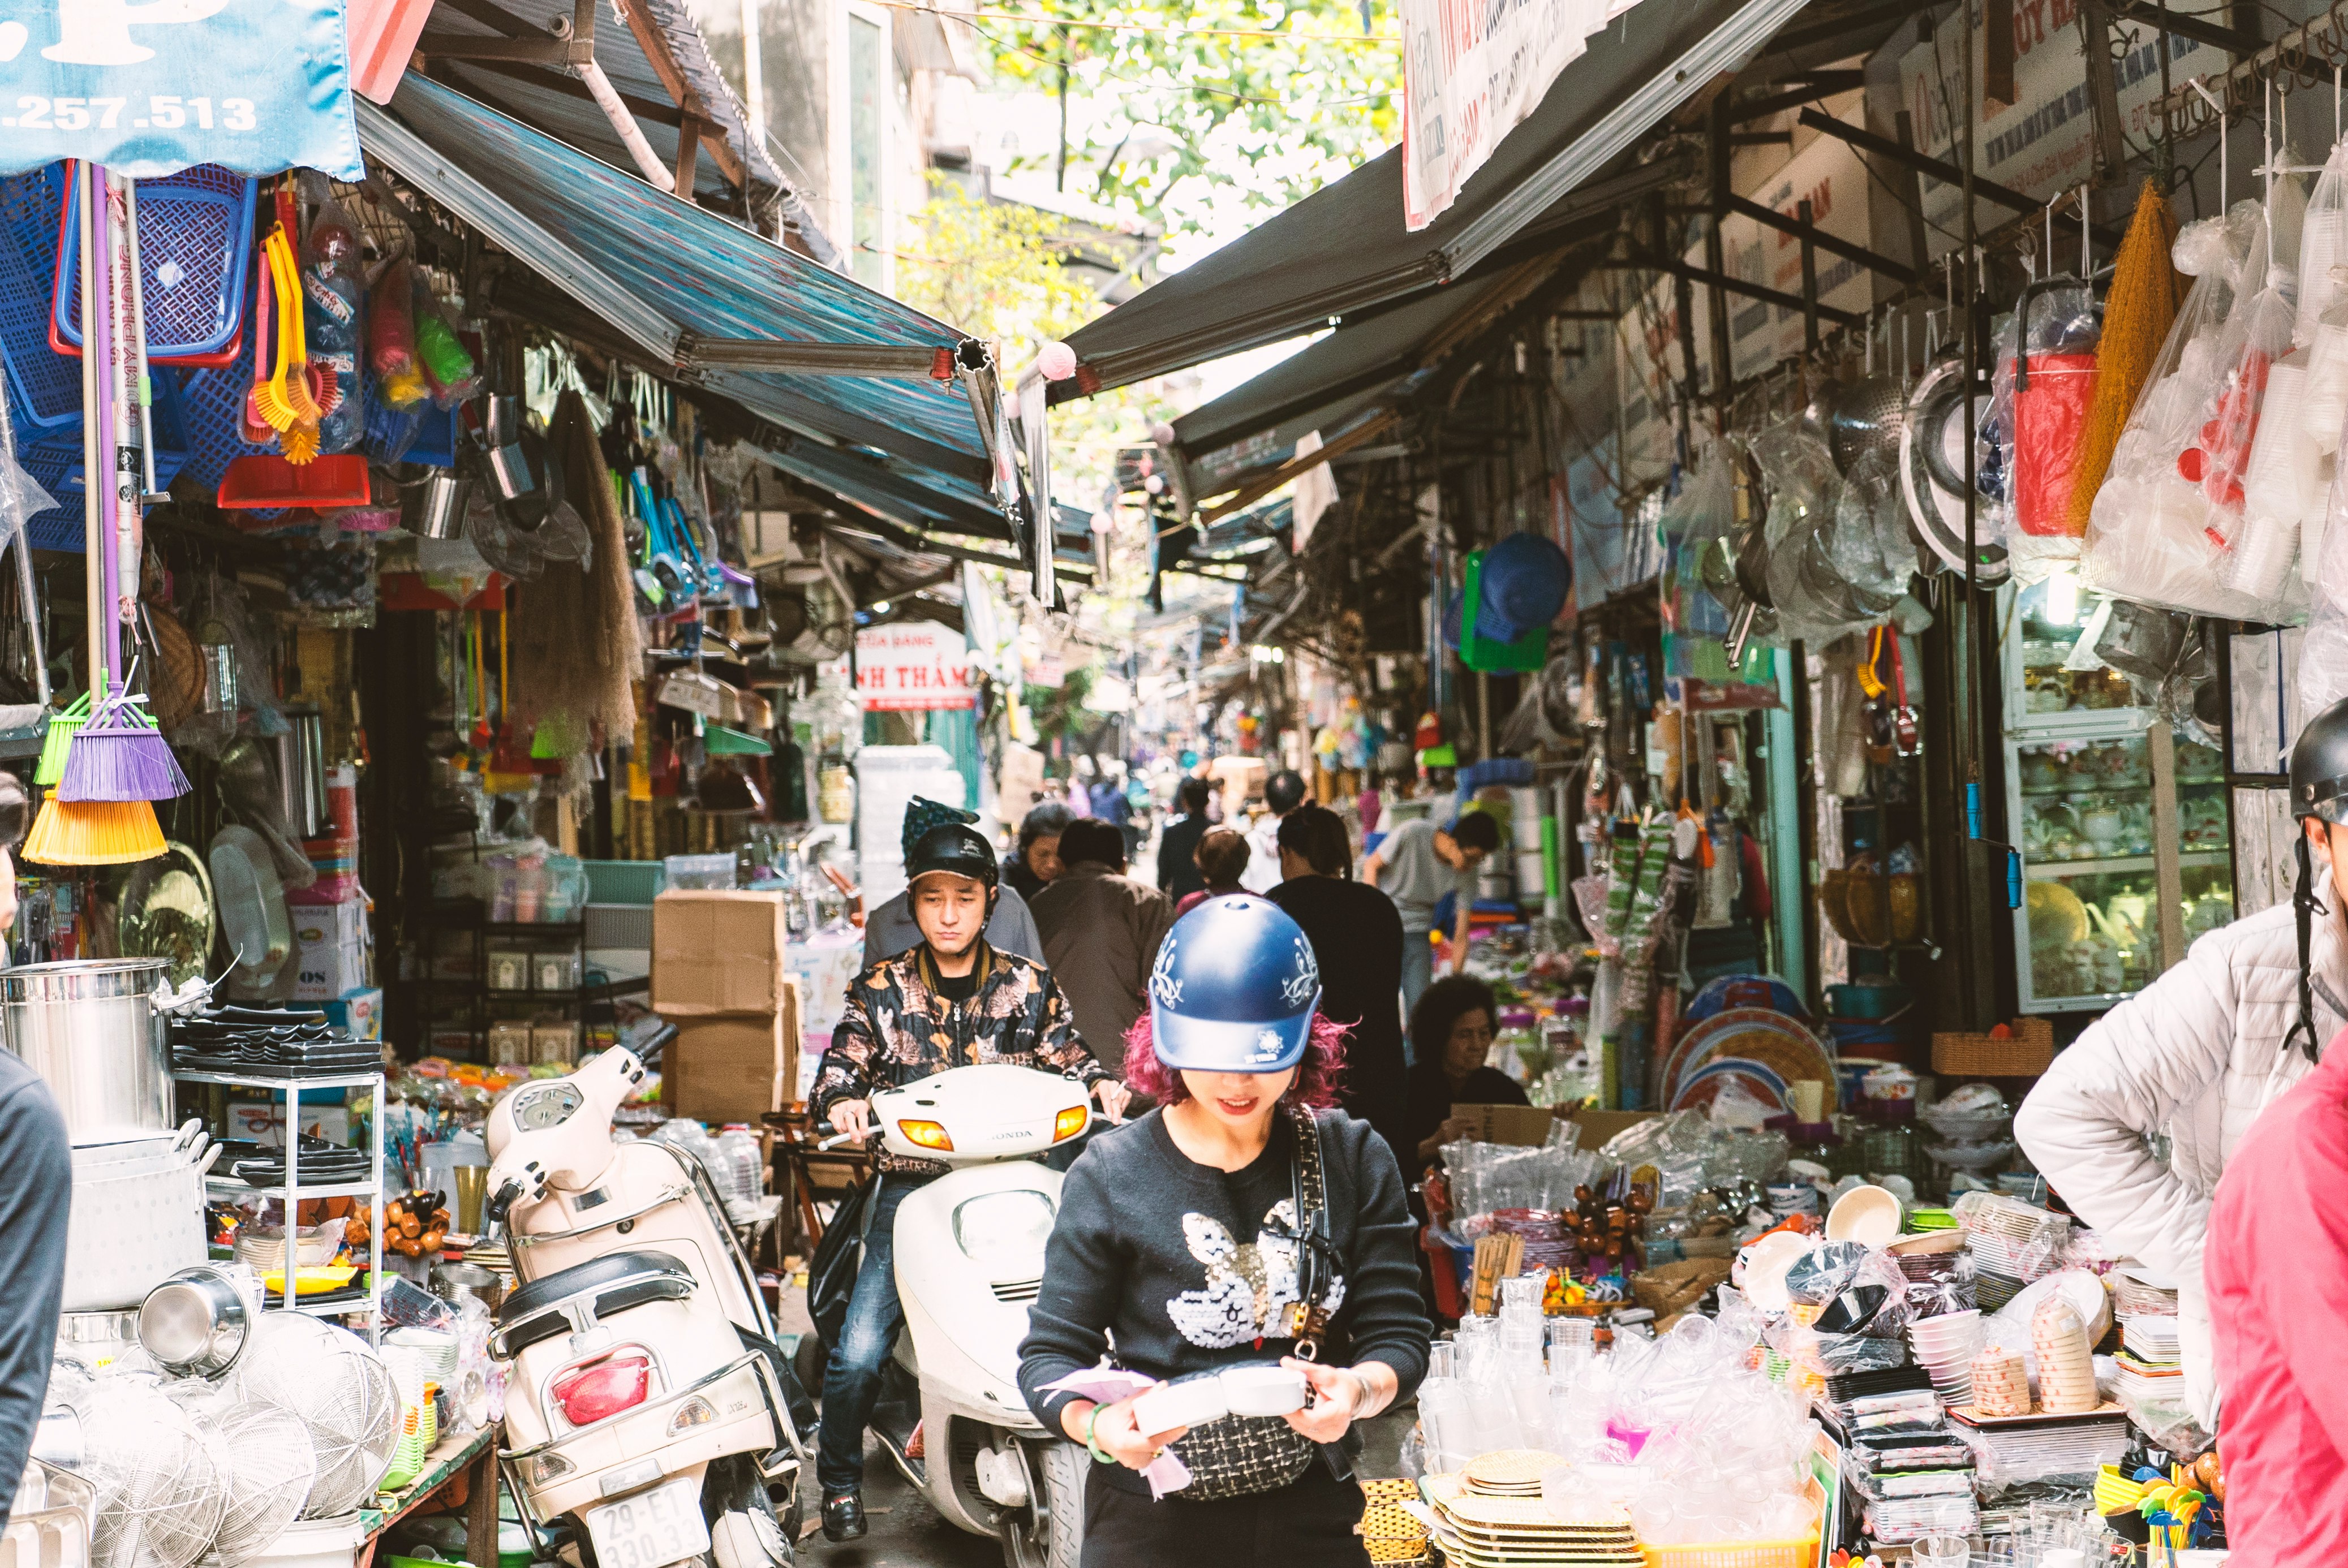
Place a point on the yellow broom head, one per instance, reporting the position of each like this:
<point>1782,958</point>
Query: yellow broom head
<point>94,833</point>
<point>2146,293</point>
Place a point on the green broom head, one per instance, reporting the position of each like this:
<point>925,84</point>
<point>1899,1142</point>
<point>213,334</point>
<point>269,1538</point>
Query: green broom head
<point>121,756</point>
<point>558,735</point>
<point>63,724</point>
<point>722,741</point>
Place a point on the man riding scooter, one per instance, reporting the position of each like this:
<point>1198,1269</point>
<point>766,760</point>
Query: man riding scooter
<point>952,1000</point>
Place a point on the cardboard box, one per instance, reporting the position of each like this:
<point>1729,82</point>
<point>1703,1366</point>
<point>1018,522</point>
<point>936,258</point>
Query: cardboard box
<point>1600,1127</point>
<point>733,1069</point>
<point>330,951</point>
<point>1525,1125</point>
<point>718,953</point>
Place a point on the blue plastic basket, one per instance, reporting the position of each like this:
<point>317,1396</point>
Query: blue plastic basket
<point>424,434</point>
<point>45,385</point>
<point>195,259</point>
<point>57,468</point>
<point>214,402</point>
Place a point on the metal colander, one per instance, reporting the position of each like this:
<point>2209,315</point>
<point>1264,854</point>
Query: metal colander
<point>1864,417</point>
<point>269,1465</point>
<point>339,1388</point>
<point>160,1490</point>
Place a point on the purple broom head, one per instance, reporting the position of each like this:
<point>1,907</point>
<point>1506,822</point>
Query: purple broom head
<point>121,756</point>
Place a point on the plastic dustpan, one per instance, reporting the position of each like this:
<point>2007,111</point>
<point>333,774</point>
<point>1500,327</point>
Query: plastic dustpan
<point>253,482</point>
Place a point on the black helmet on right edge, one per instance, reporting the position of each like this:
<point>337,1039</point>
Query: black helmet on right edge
<point>2319,766</point>
<point>956,848</point>
<point>2319,788</point>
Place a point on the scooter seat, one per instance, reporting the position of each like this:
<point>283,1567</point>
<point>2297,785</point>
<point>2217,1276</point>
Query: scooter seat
<point>616,1281</point>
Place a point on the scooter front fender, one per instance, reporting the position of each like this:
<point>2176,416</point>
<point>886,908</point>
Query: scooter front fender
<point>965,1288</point>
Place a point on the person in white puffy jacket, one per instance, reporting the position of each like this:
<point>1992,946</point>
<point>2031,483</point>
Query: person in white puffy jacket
<point>2196,1056</point>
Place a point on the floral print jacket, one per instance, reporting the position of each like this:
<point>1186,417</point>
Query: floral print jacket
<point>900,1029</point>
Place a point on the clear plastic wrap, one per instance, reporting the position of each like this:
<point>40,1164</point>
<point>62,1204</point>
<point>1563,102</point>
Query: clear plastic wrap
<point>2322,245</point>
<point>2323,563</point>
<point>2171,511</point>
<point>2010,1237</point>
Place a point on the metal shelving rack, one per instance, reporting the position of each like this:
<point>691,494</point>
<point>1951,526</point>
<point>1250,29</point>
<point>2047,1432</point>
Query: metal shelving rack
<point>292,1192</point>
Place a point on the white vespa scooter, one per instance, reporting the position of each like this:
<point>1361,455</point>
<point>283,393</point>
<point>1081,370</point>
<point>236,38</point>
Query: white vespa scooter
<point>645,1397</point>
<point>970,1257</point>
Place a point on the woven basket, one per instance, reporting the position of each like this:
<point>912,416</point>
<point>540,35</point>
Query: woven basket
<point>2028,1054</point>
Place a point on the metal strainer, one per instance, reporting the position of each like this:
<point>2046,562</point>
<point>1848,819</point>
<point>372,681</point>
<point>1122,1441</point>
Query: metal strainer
<point>335,1383</point>
<point>269,1465</point>
<point>1864,416</point>
<point>161,1492</point>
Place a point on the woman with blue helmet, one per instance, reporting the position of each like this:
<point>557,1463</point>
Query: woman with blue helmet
<point>1245,1221</point>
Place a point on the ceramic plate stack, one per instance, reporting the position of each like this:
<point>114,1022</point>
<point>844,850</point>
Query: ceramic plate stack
<point>1946,1347</point>
<point>2050,1445</point>
<point>1756,1037</point>
<point>2150,1369</point>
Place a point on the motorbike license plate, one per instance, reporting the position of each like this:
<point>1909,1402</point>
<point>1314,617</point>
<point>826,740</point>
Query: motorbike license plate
<point>652,1528</point>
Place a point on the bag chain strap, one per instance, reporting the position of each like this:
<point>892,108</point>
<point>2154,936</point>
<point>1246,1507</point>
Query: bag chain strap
<point>1308,1320</point>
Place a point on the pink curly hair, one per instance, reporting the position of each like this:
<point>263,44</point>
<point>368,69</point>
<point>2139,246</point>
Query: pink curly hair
<point>1320,1077</point>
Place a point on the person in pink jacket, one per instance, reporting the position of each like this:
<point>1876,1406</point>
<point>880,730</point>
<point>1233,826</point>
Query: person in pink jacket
<point>2276,1274</point>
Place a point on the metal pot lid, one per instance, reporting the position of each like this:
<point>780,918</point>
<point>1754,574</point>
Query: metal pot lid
<point>1935,501</point>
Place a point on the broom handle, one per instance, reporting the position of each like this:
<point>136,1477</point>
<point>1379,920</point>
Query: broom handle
<point>122,362</point>
<point>100,479</point>
<point>93,537</point>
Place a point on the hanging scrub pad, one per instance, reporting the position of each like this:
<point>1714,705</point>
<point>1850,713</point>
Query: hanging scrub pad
<point>2137,314</point>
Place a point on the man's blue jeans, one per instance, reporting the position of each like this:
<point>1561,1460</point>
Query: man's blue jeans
<point>1418,974</point>
<point>851,1378</point>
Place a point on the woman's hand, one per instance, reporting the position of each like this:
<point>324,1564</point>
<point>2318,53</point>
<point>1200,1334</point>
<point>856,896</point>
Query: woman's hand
<point>1114,1098</point>
<point>1341,1396</point>
<point>1114,1434</point>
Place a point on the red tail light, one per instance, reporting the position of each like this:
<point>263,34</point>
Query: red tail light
<point>589,1393</point>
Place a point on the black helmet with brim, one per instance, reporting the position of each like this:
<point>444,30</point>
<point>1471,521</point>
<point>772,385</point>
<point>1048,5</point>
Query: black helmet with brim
<point>958,849</point>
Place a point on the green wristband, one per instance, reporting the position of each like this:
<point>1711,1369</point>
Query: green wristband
<point>1100,1454</point>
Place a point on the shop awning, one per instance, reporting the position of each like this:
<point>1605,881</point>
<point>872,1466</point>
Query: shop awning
<point>690,295</point>
<point>1344,248</point>
<point>516,56</point>
<point>1254,428</point>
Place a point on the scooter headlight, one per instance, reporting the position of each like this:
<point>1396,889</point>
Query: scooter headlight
<point>1002,1227</point>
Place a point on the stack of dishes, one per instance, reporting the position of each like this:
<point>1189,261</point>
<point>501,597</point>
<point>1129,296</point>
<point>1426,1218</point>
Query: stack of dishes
<point>1492,1514</point>
<point>2001,1385</point>
<point>1946,1346</point>
<point>2050,1445</point>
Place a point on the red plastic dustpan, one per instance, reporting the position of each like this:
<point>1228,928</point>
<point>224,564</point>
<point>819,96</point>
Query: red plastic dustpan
<point>255,482</point>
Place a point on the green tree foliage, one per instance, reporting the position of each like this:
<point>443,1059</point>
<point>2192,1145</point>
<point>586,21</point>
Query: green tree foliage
<point>1170,106</point>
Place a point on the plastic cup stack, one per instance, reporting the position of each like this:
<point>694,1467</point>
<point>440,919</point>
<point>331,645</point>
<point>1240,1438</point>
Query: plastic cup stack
<point>1946,1346</point>
<point>2264,549</point>
<point>2066,1364</point>
<point>2326,403</point>
<point>2279,478</point>
<point>2000,1383</point>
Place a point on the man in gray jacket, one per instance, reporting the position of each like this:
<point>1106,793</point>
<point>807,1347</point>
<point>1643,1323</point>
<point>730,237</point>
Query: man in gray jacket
<point>1101,930</point>
<point>2196,1055</point>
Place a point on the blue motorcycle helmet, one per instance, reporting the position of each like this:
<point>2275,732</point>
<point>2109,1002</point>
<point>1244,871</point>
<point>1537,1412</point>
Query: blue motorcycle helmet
<point>1234,989</point>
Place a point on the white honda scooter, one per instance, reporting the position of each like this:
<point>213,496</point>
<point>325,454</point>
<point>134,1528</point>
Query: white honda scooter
<point>645,1401</point>
<point>970,1257</point>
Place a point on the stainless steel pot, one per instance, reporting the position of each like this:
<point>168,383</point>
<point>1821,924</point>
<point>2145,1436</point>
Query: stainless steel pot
<point>92,1029</point>
<point>456,1281</point>
<point>436,508</point>
<point>195,1322</point>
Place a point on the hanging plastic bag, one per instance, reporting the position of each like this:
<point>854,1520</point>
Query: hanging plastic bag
<point>2324,565</point>
<point>2172,500</point>
<point>331,295</point>
<point>2322,245</point>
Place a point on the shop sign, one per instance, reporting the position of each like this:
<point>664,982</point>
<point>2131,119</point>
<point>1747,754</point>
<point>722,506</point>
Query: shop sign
<point>2044,142</point>
<point>147,89</point>
<point>1471,73</point>
<point>1828,175</point>
<point>911,665</point>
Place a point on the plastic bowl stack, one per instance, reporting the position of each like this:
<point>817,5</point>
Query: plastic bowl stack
<point>1946,1347</point>
<point>1975,1127</point>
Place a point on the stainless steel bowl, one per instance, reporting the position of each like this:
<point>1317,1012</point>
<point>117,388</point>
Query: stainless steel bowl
<point>196,1322</point>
